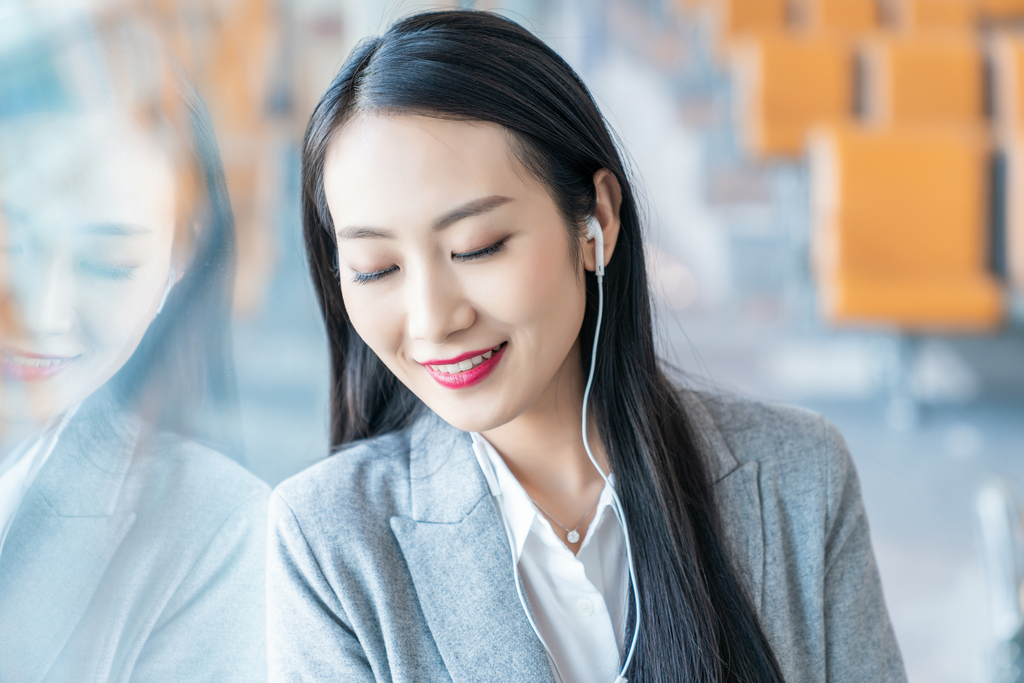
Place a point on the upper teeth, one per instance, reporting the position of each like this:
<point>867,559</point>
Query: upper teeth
<point>34,362</point>
<point>467,364</point>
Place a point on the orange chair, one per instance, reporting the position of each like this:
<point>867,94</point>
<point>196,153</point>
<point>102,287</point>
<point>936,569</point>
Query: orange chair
<point>840,16</point>
<point>900,231</point>
<point>1001,9</point>
<point>924,78</point>
<point>918,15</point>
<point>737,19</point>
<point>785,84</point>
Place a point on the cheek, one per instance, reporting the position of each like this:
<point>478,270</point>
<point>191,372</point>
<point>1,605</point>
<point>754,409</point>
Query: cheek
<point>540,288</point>
<point>377,318</point>
<point>114,316</point>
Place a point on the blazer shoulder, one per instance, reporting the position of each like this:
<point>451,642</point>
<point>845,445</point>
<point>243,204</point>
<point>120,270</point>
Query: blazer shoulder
<point>194,488</point>
<point>371,474</point>
<point>202,471</point>
<point>784,437</point>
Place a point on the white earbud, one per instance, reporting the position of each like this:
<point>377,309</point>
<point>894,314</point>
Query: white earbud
<point>595,233</point>
<point>171,279</point>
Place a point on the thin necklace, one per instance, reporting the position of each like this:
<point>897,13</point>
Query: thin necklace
<point>571,534</point>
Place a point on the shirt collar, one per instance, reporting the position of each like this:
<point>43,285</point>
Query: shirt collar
<point>519,509</point>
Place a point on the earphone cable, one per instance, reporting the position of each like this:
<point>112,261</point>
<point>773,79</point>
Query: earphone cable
<point>615,496</point>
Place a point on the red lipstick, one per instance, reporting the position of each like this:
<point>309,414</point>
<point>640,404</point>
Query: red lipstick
<point>466,378</point>
<point>33,367</point>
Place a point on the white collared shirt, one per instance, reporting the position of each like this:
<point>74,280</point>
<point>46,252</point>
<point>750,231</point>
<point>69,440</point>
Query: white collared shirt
<point>577,601</point>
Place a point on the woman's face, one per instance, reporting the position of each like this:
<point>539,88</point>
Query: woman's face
<point>86,233</point>
<point>455,265</point>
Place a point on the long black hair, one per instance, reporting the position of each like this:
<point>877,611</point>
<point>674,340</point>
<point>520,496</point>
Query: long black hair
<point>697,623</point>
<point>180,377</point>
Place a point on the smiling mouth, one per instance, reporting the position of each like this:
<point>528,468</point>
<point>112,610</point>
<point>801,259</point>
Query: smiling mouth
<point>28,367</point>
<point>465,365</point>
<point>33,362</point>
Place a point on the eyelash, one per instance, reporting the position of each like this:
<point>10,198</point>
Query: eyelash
<point>116,274</point>
<point>363,278</point>
<point>486,251</point>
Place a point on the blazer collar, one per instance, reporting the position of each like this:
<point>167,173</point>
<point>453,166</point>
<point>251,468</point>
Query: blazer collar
<point>90,461</point>
<point>458,556</point>
<point>62,539</point>
<point>718,457</point>
<point>457,553</point>
<point>446,482</point>
<point>737,491</point>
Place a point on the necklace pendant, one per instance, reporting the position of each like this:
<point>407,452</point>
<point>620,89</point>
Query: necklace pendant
<point>573,536</point>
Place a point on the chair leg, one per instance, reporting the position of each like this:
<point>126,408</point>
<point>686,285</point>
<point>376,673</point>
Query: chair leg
<point>903,412</point>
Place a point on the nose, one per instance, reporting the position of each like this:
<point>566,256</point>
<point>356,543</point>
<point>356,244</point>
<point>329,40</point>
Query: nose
<point>437,306</point>
<point>45,296</point>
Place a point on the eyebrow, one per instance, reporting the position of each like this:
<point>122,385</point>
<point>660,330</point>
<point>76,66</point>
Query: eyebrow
<point>467,210</point>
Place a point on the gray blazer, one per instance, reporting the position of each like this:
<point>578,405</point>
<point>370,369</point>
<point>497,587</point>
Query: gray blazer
<point>387,561</point>
<point>134,559</point>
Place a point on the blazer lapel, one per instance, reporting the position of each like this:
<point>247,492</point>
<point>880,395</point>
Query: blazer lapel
<point>62,538</point>
<point>454,545</point>
<point>739,499</point>
<point>738,496</point>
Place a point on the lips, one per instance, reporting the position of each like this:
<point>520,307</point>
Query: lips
<point>466,361</point>
<point>33,367</point>
<point>466,369</point>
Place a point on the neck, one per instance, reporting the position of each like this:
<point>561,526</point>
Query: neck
<point>543,447</point>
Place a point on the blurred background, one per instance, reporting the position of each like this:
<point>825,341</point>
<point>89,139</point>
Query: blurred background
<point>835,202</point>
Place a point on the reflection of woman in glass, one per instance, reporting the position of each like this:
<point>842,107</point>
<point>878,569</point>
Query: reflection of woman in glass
<point>450,174</point>
<point>129,551</point>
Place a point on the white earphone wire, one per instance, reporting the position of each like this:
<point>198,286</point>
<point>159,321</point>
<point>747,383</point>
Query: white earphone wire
<point>615,496</point>
<point>492,483</point>
<point>593,231</point>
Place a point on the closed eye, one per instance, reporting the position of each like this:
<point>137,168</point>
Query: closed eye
<point>486,251</point>
<point>363,278</point>
<point>116,274</point>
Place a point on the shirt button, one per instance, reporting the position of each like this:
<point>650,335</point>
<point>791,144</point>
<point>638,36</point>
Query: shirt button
<point>586,607</point>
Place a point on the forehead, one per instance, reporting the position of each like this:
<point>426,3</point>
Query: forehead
<point>63,170</point>
<point>379,166</point>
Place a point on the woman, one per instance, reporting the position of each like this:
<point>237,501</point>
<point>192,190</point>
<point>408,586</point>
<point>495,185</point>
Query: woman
<point>461,531</point>
<point>130,550</point>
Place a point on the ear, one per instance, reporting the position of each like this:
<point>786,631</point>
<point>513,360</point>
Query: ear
<point>606,210</point>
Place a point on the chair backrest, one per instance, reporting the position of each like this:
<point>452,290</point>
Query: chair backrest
<point>923,78</point>
<point>909,202</point>
<point>900,232</point>
<point>787,83</point>
<point>737,19</point>
<point>840,16</point>
<point>1001,9</point>
<point>924,15</point>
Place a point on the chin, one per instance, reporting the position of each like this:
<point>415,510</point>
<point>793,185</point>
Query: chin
<point>473,417</point>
